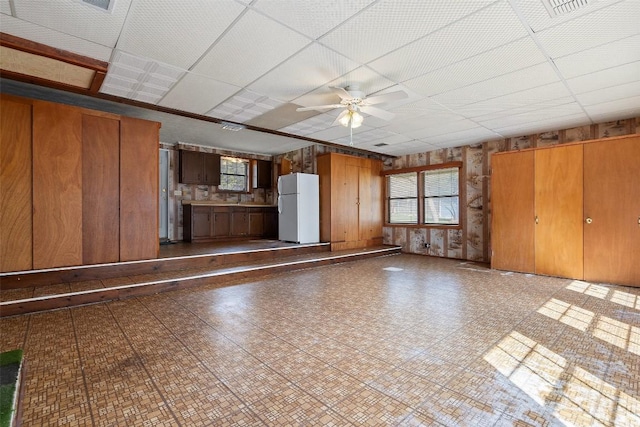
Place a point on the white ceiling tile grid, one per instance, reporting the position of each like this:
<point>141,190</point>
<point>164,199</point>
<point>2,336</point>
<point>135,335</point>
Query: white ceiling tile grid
<point>244,106</point>
<point>390,24</point>
<point>473,70</point>
<point>471,35</point>
<point>54,38</point>
<point>75,18</point>
<point>303,16</point>
<point>176,32</point>
<point>137,78</point>
<point>265,44</point>
<point>610,24</point>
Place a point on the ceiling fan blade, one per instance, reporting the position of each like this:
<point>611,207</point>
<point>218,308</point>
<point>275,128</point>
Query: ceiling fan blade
<point>341,115</point>
<point>377,112</point>
<point>341,92</point>
<point>387,97</point>
<point>320,107</point>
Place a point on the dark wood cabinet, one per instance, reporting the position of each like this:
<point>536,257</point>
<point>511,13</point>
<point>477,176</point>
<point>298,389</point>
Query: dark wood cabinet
<point>221,222</point>
<point>239,222</point>
<point>207,222</point>
<point>199,168</point>
<point>256,222</point>
<point>262,174</point>
<point>270,229</point>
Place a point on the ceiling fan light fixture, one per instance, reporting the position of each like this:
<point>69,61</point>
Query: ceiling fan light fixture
<point>352,119</point>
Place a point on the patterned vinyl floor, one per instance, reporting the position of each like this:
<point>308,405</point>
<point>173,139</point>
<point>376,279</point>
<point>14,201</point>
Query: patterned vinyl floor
<point>400,340</point>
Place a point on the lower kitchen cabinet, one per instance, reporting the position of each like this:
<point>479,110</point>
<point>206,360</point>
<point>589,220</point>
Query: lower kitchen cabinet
<point>206,222</point>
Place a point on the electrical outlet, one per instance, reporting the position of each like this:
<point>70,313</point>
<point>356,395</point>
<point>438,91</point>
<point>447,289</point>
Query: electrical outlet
<point>427,245</point>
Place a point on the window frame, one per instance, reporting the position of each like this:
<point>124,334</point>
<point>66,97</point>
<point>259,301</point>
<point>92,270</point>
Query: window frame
<point>420,179</point>
<point>247,186</point>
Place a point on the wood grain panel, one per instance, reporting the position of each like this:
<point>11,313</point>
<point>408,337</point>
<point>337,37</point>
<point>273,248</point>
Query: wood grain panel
<point>325,183</point>
<point>512,209</point>
<point>100,190</point>
<point>612,201</point>
<point>57,185</point>
<point>377,199</point>
<point>364,204</point>
<point>558,206</point>
<point>139,148</point>
<point>15,186</point>
<point>349,210</point>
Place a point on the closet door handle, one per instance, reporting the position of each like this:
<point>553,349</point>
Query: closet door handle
<point>537,220</point>
<point>588,220</point>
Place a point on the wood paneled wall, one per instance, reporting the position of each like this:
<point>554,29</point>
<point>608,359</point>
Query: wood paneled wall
<point>78,186</point>
<point>15,186</point>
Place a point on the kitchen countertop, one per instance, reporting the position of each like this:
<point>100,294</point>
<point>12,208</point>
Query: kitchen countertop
<point>216,203</point>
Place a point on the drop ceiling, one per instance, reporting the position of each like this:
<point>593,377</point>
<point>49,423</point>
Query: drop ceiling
<point>473,70</point>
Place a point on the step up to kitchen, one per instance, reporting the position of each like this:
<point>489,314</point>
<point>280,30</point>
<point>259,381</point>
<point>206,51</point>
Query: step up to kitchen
<point>113,287</point>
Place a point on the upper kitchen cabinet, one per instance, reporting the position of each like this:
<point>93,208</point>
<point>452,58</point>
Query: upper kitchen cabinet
<point>262,174</point>
<point>199,168</point>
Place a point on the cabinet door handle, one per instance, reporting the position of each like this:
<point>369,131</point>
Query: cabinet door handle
<point>588,220</point>
<point>537,220</point>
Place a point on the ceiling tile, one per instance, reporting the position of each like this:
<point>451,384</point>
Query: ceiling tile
<point>622,108</point>
<point>56,39</point>
<point>610,94</point>
<point>441,129</point>
<point>503,60</point>
<point>177,33</point>
<point>602,79</point>
<point>467,37</point>
<point>506,84</point>
<point>538,18</point>
<point>390,24</point>
<point>197,94</point>
<point>469,136</point>
<point>410,147</point>
<point>244,106</point>
<point>303,15</point>
<point>5,7</point>
<point>264,42</point>
<point>309,126</point>
<point>599,58</point>
<point>540,126</point>
<point>314,67</point>
<point>137,78</point>
<point>613,23</point>
<point>504,110</point>
<point>571,108</point>
<point>75,18</point>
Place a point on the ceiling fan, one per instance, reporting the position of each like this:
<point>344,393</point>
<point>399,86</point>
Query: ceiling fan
<point>354,101</point>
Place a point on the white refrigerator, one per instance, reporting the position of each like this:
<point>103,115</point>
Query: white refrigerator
<point>299,208</point>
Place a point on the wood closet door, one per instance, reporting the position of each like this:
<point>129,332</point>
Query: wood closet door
<point>139,151</point>
<point>57,185</point>
<point>612,202</point>
<point>15,186</point>
<point>512,212</point>
<point>100,189</point>
<point>558,208</point>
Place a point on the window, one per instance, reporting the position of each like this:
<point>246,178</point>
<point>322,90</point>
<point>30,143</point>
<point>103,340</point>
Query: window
<point>234,174</point>
<point>441,202</point>
<point>403,198</point>
<point>437,187</point>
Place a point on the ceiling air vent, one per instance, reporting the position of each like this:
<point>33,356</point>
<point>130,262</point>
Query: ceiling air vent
<point>104,5</point>
<point>382,144</point>
<point>561,7</point>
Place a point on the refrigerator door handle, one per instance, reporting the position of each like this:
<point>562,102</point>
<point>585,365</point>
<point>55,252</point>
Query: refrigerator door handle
<point>279,185</point>
<point>279,204</point>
